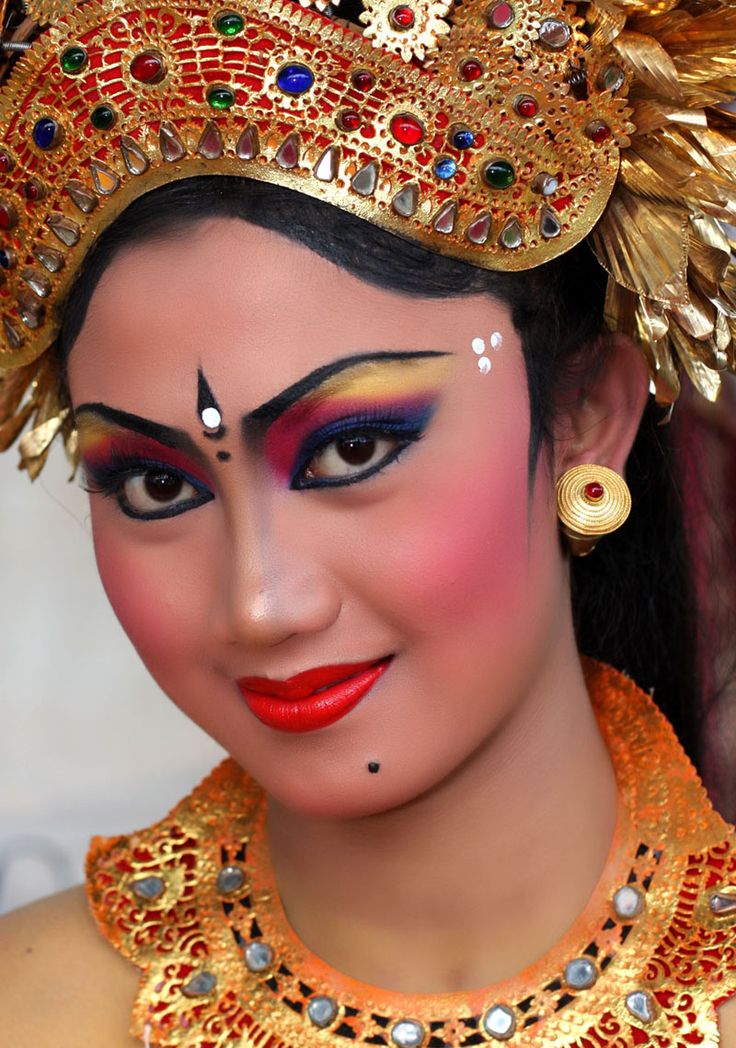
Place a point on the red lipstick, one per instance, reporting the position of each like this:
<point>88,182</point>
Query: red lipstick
<point>313,699</point>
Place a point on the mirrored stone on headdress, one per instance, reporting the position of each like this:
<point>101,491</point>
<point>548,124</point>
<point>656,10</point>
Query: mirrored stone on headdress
<point>545,183</point>
<point>722,904</point>
<point>30,310</point>
<point>64,229</point>
<point>287,155</point>
<point>366,179</point>
<point>406,200</point>
<point>479,228</point>
<point>499,1022</point>
<point>512,235</point>
<point>628,902</point>
<point>210,142</point>
<point>258,956</point>
<point>38,282</point>
<point>580,973</point>
<point>611,78</point>
<point>105,180</point>
<point>248,145</point>
<point>12,335</point>
<point>82,197</point>
<point>200,985</point>
<point>322,1011</point>
<point>326,167</point>
<point>554,34</point>
<point>407,1033</point>
<point>549,224</point>
<point>171,146</point>
<point>51,259</point>
<point>641,1005</point>
<point>135,159</point>
<point>148,888</point>
<point>446,217</point>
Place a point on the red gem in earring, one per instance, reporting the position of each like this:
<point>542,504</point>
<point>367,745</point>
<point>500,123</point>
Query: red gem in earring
<point>594,491</point>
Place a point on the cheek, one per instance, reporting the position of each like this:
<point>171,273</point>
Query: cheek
<point>149,589</point>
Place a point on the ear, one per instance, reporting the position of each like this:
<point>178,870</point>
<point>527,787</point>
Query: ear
<point>601,424</point>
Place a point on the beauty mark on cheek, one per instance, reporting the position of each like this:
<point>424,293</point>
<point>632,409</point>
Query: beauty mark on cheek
<point>478,346</point>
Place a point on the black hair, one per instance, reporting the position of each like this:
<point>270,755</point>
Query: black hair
<point>633,598</point>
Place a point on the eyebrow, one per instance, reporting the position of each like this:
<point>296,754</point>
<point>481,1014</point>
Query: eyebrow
<point>258,421</point>
<point>169,436</point>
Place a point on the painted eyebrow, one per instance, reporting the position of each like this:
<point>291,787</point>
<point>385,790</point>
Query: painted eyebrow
<point>170,437</point>
<point>257,422</point>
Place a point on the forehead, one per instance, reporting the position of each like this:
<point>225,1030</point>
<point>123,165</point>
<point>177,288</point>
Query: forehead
<point>253,309</point>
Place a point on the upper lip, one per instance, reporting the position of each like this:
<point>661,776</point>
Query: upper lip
<point>309,681</point>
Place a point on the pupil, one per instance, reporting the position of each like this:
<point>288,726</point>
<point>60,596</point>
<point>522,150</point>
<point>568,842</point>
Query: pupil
<point>162,487</point>
<point>356,451</point>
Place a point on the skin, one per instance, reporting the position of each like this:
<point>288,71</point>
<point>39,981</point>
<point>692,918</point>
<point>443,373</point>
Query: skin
<point>449,559</point>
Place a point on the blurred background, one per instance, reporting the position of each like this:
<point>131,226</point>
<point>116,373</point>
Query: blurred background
<point>88,743</point>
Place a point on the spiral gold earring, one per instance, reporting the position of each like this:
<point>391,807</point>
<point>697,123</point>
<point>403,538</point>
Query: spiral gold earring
<point>591,501</point>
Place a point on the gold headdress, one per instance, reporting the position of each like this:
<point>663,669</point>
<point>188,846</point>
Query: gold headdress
<point>500,132</point>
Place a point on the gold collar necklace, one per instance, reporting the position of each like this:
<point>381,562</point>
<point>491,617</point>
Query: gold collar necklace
<point>193,902</point>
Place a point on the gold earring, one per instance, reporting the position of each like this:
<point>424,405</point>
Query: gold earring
<point>591,501</point>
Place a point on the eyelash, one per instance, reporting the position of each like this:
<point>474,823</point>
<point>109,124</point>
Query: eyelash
<point>108,478</point>
<point>372,423</point>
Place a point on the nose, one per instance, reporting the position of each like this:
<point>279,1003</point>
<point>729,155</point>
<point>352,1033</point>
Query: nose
<point>273,584</point>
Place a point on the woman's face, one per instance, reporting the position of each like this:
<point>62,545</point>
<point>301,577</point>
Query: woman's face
<point>298,471</point>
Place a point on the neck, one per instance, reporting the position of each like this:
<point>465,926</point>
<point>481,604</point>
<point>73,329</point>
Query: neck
<point>473,881</point>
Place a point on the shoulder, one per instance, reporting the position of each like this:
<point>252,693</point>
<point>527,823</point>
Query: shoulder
<point>61,984</point>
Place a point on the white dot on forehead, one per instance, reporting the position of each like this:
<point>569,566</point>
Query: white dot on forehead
<point>484,365</point>
<point>496,340</point>
<point>478,345</point>
<point>211,418</point>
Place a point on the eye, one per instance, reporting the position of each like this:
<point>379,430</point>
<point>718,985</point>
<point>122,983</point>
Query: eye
<point>155,489</point>
<point>146,491</point>
<point>351,455</point>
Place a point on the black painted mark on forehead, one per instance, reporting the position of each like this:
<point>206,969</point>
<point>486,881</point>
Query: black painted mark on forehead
<point>208,410</point>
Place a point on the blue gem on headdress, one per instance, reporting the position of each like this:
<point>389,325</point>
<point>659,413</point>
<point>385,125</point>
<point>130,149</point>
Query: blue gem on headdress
<point>45,132</point>
<point>463,138</point>
<point>5,259</point>
<point>295,79</point>
<point>445,167</point>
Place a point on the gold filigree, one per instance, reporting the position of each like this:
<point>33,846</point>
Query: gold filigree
<point>670,846</point>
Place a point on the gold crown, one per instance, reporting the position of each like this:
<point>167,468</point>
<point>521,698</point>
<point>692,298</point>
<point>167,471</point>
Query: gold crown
<point>492,131</point>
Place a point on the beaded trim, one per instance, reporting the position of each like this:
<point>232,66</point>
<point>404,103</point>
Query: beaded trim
<point>193,903</point>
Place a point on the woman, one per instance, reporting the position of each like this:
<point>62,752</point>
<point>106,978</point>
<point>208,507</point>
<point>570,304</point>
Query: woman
<point>325,511</point>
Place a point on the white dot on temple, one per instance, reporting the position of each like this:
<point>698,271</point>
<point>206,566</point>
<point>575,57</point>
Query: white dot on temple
<point>484,365</point>
<point>211,418</point>
<point>496,340</point>
<point>478,345</point>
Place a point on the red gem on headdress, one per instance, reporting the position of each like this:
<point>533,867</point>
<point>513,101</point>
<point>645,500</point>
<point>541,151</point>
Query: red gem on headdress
<point>349,120</point>
<point>8,216</point>
<point>402,17</point>
<point>363,80</point>
<point>407,129</point>
<point>598,132</point>
<point>526,106</point>
<point>500,15</point>
<point>6,162</point>
<point>594,491</point>
<point>32,191</point>
<point>147,68</point>
<point>471,69</point>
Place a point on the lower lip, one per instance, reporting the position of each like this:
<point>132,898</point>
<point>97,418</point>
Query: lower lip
<point>315,711</point>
